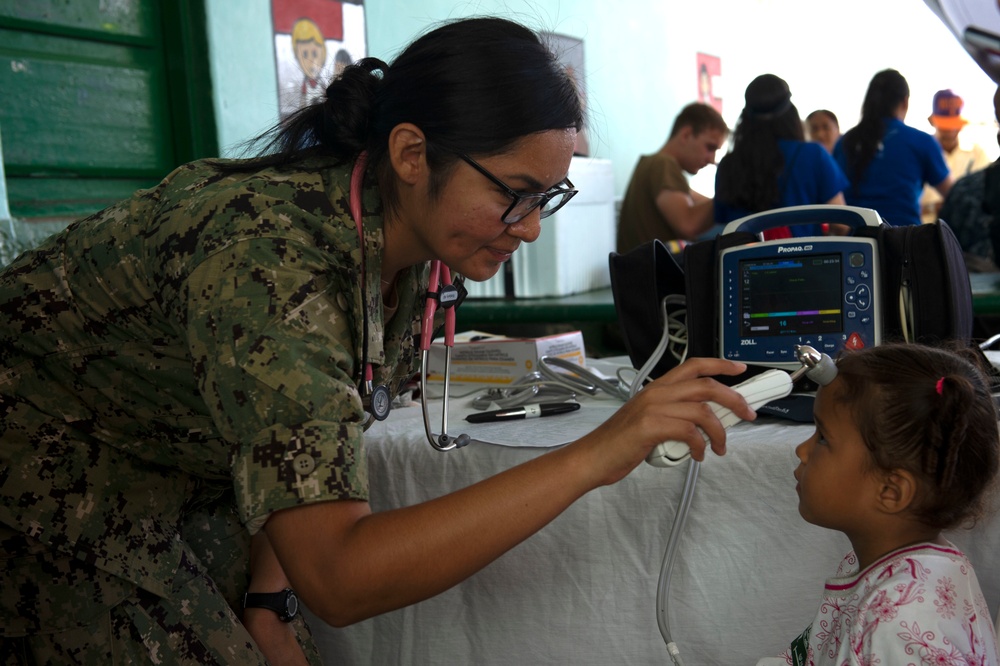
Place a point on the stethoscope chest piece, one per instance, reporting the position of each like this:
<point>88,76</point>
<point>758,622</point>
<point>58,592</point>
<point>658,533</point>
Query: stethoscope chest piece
<point>377,401</point>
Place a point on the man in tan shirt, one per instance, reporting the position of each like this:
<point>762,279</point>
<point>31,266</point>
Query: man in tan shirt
<point>659,202</point>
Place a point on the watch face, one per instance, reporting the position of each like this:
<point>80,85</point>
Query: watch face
<point>291,605</point>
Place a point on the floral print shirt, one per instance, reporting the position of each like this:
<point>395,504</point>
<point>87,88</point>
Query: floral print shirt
<point>918,605</point>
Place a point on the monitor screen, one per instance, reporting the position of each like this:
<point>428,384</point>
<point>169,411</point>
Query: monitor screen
<point>791,296</point>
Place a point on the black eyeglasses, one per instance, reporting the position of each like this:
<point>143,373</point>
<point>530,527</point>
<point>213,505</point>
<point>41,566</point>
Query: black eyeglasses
<point>549,201</point>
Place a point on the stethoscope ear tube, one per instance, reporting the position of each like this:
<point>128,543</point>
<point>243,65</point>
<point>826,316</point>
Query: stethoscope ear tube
<point>377,400</point>
<point>442,442</point>
<point>439,274</point>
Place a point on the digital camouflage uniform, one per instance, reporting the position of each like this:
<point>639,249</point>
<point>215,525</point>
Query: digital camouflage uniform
<point>172,370</point>
<point>968,210</point>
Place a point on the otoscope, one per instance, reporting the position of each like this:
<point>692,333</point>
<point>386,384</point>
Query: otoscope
<point>758,390</point>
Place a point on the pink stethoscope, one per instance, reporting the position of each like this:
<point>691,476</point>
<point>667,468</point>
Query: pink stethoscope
<point>377,400</point>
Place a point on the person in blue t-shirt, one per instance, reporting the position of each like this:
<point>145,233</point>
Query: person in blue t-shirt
<point>771,165</point>
<point>886,161</point>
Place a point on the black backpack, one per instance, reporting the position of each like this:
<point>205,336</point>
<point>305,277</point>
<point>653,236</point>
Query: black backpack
<point>922,263</point>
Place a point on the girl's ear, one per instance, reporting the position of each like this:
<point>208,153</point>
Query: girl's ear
<point>897,491</point>
<point>408,153</point>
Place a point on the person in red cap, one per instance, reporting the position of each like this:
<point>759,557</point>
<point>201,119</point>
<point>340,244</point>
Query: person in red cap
<point>962,157</point>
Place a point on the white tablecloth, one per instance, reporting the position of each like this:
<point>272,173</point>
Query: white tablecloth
<point>582,591</point>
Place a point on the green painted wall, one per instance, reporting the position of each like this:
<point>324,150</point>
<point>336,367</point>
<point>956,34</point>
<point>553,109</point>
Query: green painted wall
<point>244,82</point>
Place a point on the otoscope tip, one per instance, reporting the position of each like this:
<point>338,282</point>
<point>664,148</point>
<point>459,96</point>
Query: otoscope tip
<point>819,367</point>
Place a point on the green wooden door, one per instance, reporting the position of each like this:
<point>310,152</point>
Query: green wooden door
<point>99,98</point>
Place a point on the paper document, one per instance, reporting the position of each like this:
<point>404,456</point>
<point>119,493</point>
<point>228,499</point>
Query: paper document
<point>546,431</point>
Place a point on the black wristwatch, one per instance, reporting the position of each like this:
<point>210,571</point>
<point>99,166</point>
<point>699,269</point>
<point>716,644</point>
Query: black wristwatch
<point>284,603</point>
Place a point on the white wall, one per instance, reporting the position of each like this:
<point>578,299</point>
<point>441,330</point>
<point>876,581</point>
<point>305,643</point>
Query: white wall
<point>640,59</point>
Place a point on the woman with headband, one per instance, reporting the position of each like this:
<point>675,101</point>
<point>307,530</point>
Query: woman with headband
<point>771,165</point>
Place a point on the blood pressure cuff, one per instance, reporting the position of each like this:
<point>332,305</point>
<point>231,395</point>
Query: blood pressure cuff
<point>921,264</point>
<point>640,280</point>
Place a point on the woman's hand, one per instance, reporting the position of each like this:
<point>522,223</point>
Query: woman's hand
<point>671,408</point>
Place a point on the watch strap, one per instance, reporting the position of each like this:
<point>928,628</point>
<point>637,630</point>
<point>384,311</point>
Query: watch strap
<point>284,603</point>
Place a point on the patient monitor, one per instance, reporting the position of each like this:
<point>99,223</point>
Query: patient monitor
<point>821,291</point>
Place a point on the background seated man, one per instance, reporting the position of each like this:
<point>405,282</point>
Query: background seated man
<point>659,203</point>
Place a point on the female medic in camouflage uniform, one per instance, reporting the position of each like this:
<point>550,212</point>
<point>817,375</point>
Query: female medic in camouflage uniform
<point>179,372</point>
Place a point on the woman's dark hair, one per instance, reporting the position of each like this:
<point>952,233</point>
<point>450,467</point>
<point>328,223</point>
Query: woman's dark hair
<point>749,175</point>
<point>887,90</point>
<point>929,411</point>
<point>824,112</point>
<point>472,86</point>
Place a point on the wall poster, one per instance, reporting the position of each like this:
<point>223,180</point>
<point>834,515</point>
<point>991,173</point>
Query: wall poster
<point>709,71</point>
<point>313,41</point>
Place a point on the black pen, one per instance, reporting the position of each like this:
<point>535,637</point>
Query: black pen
<point>525,412</point>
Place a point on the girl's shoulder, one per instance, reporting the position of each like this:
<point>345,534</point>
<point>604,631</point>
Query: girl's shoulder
<point>918,562</point>
<point>943,554</point>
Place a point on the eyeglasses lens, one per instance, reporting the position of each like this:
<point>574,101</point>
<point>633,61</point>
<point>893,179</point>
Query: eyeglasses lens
<point>549,201</point>
<point>556,202</point>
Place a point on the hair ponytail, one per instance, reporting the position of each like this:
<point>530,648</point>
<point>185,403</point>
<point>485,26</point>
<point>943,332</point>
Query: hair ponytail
<point>337,126</point>
<point>887,90</point>
<point>948,427</point>
<point>349,108</point>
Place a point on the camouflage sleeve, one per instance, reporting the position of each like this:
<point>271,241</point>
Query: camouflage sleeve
<point>272,339</point>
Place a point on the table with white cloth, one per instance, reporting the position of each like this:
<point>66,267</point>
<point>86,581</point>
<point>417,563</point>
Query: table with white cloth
<point>747,579</point>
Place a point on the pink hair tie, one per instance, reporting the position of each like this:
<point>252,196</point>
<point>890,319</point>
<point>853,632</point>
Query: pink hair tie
<point>939,386</point>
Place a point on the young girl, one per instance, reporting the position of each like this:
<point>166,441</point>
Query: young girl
<point>906,446</point>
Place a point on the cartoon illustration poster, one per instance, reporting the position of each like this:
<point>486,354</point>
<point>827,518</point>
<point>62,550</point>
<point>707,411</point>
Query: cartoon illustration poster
<point>709,71</point>
<point>313,41</point>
